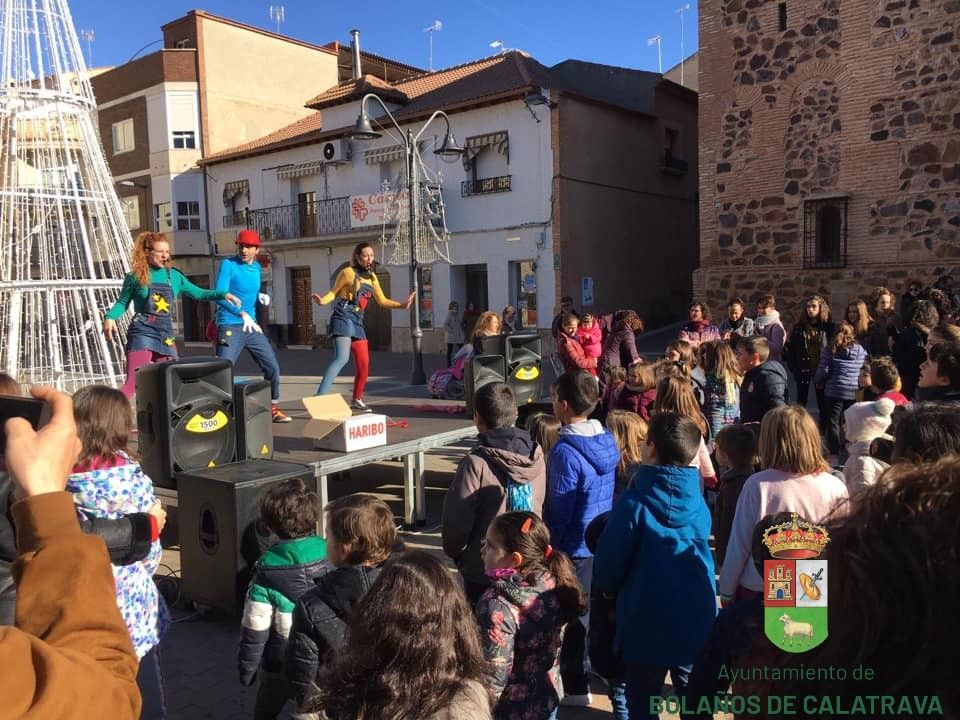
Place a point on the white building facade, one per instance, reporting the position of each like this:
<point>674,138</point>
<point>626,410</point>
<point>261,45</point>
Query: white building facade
<point>497,202</point>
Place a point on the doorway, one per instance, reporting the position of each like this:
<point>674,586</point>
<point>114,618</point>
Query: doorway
<point>195,314</point>
<point>377,322</point>
<point>303,330</point>
<point>476,276</point>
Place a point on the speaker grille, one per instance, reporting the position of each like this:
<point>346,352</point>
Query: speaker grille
<point>203,436</point>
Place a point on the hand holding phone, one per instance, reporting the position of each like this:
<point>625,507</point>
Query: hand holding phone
<point>39,454</point>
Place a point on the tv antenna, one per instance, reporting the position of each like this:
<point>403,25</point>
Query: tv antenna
<point>498,45</point>
<point>436,27</point>
<point>681,10</point>
<point>657,39</point>
<point>89,36</point>
<point>276,14</point>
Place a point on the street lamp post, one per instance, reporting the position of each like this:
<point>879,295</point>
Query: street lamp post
<point>448,149</point>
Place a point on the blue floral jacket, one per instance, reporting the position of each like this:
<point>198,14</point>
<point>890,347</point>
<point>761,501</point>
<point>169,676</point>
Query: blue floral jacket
<point>113,492</point>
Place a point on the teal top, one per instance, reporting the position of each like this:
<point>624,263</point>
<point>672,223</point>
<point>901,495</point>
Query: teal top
<point>133,291</point>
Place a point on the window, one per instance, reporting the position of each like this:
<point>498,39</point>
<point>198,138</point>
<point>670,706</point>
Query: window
<point>123,136</point>
<point>163,217</point>
<point>188,215</point>
<point>782,16</point>
<point>184,139</point>
<point>131,211</point>
<point>825,231</point>
<point>673,150</point>
<point>183,44</point>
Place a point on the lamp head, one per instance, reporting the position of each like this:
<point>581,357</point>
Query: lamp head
<point>449,150</point>
<point>363,130</point>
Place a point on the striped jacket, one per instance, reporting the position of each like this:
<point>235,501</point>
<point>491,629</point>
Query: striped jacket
<point>284,573</point>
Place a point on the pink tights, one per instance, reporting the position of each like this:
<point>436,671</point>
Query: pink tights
<point>136,359</point>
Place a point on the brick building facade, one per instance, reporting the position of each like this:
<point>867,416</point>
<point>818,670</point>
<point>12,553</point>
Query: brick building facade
<point>829,147</point>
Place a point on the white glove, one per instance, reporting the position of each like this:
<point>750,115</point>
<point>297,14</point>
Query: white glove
<point>249,325</point>
<point>264,299</point>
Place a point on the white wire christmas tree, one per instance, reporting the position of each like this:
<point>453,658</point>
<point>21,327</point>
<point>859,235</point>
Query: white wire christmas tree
<point>64,243</point>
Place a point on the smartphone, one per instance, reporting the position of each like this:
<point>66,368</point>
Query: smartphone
<point>37,412</point>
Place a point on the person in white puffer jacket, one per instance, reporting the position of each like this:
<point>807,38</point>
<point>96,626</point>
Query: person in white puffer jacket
<point>865,421</point>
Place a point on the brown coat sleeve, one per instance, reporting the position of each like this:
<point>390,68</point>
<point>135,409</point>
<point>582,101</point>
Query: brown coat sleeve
<point>70,655</point>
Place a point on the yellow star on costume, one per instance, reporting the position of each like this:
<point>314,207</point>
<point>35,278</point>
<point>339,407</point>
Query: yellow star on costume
<point>160,303</point>
<point>168,342</point>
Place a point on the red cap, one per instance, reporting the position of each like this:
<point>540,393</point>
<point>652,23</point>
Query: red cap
<point>248,237</point>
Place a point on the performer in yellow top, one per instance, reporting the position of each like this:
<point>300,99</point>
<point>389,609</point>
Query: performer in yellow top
<point>352,290</point>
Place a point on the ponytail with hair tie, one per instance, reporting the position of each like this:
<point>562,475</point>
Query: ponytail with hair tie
<point>548,552</point>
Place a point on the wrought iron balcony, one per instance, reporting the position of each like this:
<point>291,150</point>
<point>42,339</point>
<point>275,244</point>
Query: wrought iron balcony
<point>236,219</point>
<point>309,219</point>
<point>485,186</point>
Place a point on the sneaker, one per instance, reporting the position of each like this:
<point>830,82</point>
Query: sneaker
<point>577,700</point>
<point>279,416</point>
<point>360,406</point>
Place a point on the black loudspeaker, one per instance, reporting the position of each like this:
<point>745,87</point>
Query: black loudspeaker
<point>184,417</point>
<point>481,370</point>
<point>251,407</point>
<point>220,534</point>
<point>491,345</point>
<point>524,358</point>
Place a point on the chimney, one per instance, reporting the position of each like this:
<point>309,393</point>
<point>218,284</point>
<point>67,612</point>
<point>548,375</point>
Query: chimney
<point>355,50</point>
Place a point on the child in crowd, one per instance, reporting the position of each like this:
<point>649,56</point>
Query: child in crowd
<point>680,352</point>
<point>544,428</point>
<point>674,395</point>
<point>660,528</point>
<point>283,573</point>
<point>615,379</point>
<point>927,433</point>
<point>630,432</point>
<point>764,384</point>
<point>522,615</point>
<point>506,472</point>
<point>590,336</point>
<point>411,649</point>
<point>769,326</point>
<point>640,391</point>
<point>736,450</point>
<point>581,476</point>
<point>839,372</point>
<point>809,338</point>
<point>721,389</point>
<point>361,534</point>
<point>940,374</point>
<point>129,538</point>
<point>108,483</point>
<point>865,422</point>
<point>571,352</point>
<point>453,330</point>
<point>795,478</point>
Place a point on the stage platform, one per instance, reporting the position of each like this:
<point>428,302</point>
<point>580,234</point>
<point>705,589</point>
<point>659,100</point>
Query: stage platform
<point>412,430</point>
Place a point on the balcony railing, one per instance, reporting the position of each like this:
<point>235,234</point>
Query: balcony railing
<point>486,186</point>
<point>236,219</point>
<point>310,219</point>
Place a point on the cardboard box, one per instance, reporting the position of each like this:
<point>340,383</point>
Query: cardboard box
<point>333,426</point>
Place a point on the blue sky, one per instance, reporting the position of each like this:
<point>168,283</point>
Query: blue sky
<point>613,32</point>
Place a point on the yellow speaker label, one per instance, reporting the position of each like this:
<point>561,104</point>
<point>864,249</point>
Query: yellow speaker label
<point>200,424</point>
<point>264,450</point>
<point>211,464</point>
<point>527,373</point>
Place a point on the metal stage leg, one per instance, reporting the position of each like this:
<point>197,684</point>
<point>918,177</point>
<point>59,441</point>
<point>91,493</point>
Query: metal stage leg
<point>421,487</point>
<point>409,489</point>
<point>324,492</point>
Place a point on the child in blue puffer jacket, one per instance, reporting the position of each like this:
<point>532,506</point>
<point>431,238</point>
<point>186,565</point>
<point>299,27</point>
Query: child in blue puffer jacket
<point>581,476</point>
<point>839,373</point>
<point>655,555</point>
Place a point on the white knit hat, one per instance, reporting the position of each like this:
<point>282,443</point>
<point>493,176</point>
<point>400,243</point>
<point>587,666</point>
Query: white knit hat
<point>868,420</point>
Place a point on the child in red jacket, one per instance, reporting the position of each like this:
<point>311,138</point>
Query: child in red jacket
<point>569,348</point>
<point>590,336</point>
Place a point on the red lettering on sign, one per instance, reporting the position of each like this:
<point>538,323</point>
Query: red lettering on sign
<point>369,430</point>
